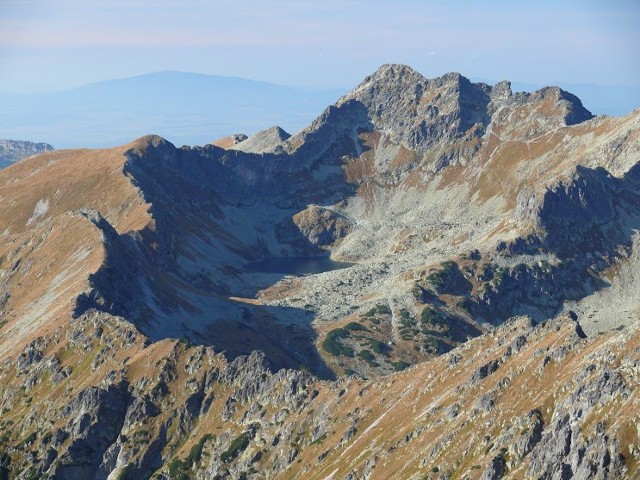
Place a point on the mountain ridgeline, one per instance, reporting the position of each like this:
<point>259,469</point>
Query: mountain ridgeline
<point>489,303</point>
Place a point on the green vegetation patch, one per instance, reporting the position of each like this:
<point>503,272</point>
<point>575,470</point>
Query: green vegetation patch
<point>320,439</point>
<point>356,327</point>
<point>431,316</point>
<point>449,279</point>
<point>435,345</point>
<point>440,278</point>
<point>237,446</point>
<point>379,347</point>
<point>466,304</point>
<point>379,309</point>
<point>195,455</point>
<point>499,277</point>
<point>408,325</point>
<point>333,345</point>
<point>178,470</point>
<point>368,357</point>
<point>406,318</point>
<point>399,366</point>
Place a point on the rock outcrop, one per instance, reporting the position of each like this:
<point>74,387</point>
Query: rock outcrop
<point>230,141</point>
<point>266,141</point>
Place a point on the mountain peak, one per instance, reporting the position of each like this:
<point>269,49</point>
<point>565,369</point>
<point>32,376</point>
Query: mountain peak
<point>452,77</point>
<point>265,141</point>
<point>393,70</point>
<point>419,113</point>
<point>501,90</point>
<point>391,73</point>
<point>388,75</point>
<point>573,112</point>
<point>148,142</point>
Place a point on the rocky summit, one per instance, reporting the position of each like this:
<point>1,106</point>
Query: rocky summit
<point>435,279</point>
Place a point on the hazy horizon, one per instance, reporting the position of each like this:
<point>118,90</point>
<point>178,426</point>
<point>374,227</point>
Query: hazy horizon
<point>57,45</point>
<point>49,47</point>
<point>525,84</point>
<point>194,109</point>
<point>184,108</point>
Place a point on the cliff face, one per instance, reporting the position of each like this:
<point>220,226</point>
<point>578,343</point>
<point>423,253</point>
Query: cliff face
<point>459,206</point>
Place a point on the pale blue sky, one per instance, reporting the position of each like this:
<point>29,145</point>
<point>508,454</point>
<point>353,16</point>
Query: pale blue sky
<point>50,45</point>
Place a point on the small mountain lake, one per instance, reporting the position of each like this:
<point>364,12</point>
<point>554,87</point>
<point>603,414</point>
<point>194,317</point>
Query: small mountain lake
<point>296,265</point>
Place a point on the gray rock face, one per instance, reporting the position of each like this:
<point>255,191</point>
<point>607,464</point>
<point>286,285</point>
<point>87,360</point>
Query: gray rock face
<point>265,141</point>
<point>13,150</point>
<point>320,226</point>
<point>120,275</point>
<point>441,117</point>
<point>564,451</point>
<point>584,223</point>
<point>584,213</point>
<point>106,427</point>
<point>95,417</point>
<point>573,110</point>
<point>484,371</point>
<point>239,137</point>
<point>495,470</point>
<point>420,113</point>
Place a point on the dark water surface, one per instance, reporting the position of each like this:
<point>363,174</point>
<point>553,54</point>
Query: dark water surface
<point>296,265</point>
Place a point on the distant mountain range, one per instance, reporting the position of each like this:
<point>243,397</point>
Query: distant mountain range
<point>186,108</point>
<point>13,150</point>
